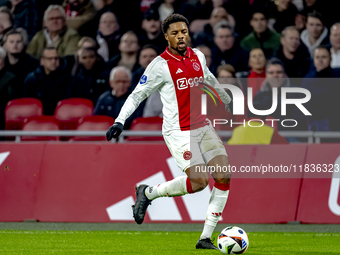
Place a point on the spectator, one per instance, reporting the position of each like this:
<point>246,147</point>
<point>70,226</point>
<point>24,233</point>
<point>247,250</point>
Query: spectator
<point>327,8</point>
<point>207,35</point>
<point>48,82</point>
<point>146,55</point>
<point>335,42</point>
<point>315,33</point>
<point>207,53</point>
<point>18,61</point>
<point>323,104</point>
<point>167,7</point>
<point>55,34</point>
<point>276,78</point>
<point>152,32</point>
<point>257,74</point>
<point>78,12</point>
<point>89,80</point>
<point>127,12</point>
<point>71,62</point>
<point>300,21</point>
<point>261,37</point>
<point>108,36</point>
<point>226,75</point>
<point>293,54</point>
<point>42,5</point>
<point>283,13</point>
<point>111,101</point>
<point>6,22</point>
<point>153,106</point>
<point>25,15</point>
<point>129,48</point>
<point>86,42</point>
<point>227,49</point>
<point>322,63</point>
<point>6,82</point>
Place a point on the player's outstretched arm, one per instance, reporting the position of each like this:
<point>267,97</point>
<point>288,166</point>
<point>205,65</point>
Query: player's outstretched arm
<point>114,131</point>
<point>150,81</point>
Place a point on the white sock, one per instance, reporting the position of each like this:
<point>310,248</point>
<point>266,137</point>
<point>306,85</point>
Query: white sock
<point>217,202</point>
<point>173,188</point>
<point>207,231</point>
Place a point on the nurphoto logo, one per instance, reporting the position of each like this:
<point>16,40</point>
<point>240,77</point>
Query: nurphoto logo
<point>239,102</point>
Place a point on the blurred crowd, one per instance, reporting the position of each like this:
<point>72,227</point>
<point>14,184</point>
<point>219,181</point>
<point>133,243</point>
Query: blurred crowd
<point>98,49</point>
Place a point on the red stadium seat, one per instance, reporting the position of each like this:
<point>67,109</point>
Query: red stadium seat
<point>19,109</point>
<point>40,123</point>
<point>148,123</point>
<point>95,123</point>
<point>69,111</point>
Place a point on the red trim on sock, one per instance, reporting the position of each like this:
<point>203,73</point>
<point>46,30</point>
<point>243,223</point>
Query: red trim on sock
<point>189,188</point>
<point>222,186</point>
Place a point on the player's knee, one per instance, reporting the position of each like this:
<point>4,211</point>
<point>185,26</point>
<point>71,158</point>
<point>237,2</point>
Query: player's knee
<point>223,179</point>
<point>203,183</point>
<point>199,184</point>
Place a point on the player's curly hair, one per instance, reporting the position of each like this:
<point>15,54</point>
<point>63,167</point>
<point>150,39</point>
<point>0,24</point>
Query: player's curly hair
<point>173,18</point>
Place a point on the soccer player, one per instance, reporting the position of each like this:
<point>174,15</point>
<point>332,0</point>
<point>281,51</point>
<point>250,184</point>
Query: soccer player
<point>189,136</point>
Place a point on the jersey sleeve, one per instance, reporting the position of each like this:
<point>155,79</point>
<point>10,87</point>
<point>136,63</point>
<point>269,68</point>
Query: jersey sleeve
<point>211,80</point>
<point>151,80</point>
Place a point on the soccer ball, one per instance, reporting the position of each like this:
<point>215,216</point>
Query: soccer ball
<point>233,240</point>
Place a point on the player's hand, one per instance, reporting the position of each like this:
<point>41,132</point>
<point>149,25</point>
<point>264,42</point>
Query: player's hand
<point>114,131</point>
<point>229,107</point>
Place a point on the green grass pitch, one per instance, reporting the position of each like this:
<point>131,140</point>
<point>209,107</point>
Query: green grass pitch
<point>148,242</point>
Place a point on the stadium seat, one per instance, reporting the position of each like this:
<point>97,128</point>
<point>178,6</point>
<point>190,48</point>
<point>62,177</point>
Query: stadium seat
<point>19,109</point>
<point>143,124</point>
<point>40,123</point>
<point>94,123</point>
<point>69,111</point>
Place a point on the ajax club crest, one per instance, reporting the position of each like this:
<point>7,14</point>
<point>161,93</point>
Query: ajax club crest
<point>196,66</point>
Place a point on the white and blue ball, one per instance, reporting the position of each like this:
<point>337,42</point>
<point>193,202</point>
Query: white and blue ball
<point>233,240</point>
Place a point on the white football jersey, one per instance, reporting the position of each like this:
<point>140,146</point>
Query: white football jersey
<point>177,79</point>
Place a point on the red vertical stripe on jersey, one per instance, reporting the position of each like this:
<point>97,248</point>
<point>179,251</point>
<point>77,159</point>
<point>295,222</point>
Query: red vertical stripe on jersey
<point>186,72</point>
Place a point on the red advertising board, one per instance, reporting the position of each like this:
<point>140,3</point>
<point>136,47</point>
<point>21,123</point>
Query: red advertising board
<point>82,180</point>
<point>319,197</point>
<point>19,179</point>
<point>264,200</point>
<point>93,182</point>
